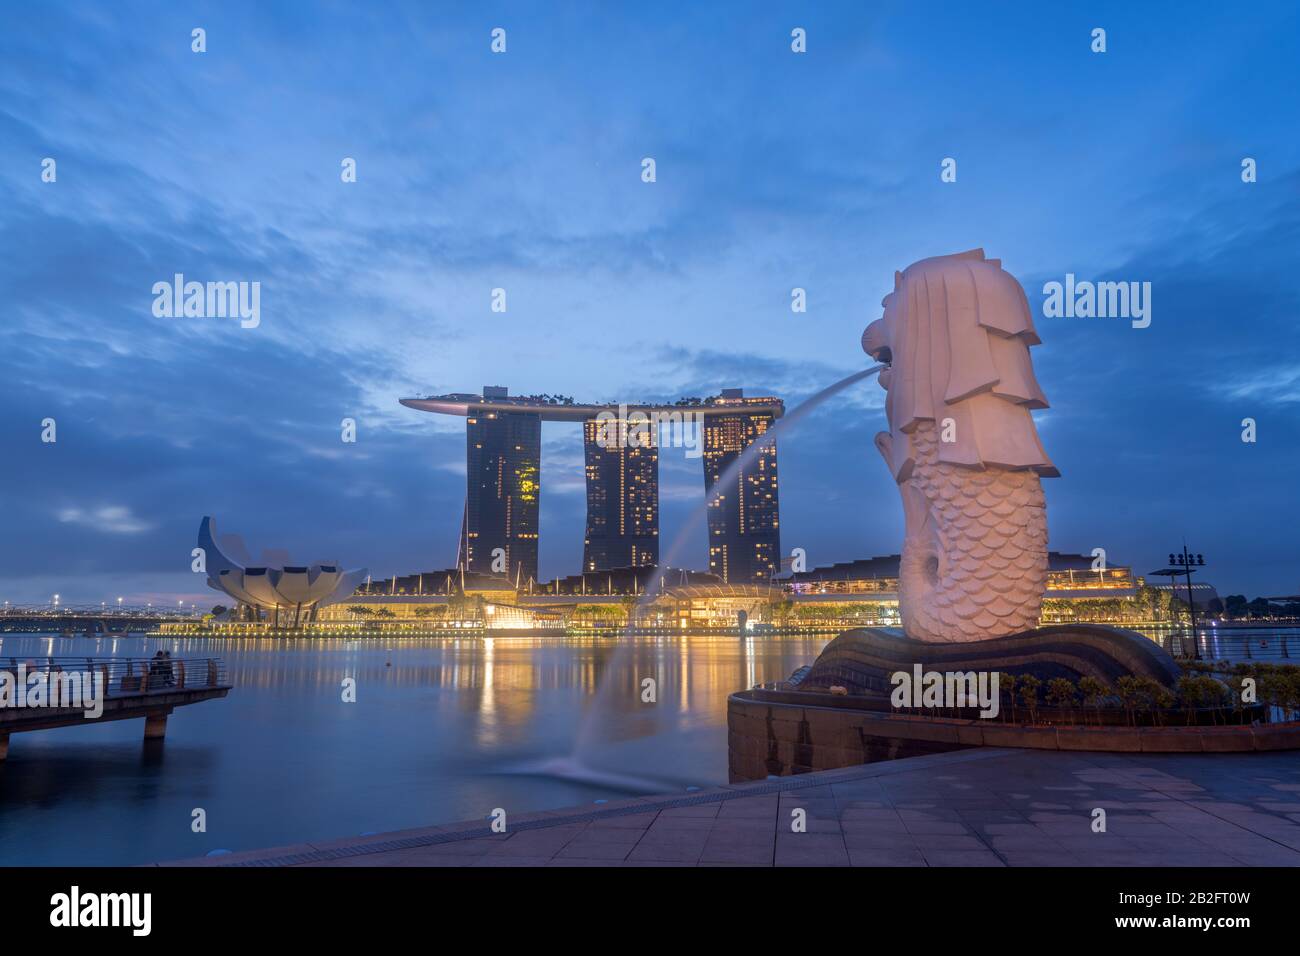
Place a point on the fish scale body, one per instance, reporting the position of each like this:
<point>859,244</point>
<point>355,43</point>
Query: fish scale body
<point>974,551</point>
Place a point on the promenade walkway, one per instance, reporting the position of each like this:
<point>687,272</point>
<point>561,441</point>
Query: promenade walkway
<point>969,808</point>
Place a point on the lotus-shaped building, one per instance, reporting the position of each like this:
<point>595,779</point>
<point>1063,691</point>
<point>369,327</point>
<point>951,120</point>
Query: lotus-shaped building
<point>275,584</point>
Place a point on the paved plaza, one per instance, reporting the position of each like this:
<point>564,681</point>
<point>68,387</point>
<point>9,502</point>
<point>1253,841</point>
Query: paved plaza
<point>979,807</point>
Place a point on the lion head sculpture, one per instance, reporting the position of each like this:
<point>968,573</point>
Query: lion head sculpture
<point>955,334</point>
<point>963,448</point>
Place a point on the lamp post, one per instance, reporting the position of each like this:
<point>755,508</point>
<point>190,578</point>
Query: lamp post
<point>1185,563</point>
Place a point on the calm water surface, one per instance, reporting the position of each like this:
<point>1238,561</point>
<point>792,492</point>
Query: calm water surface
<point>442,730</point>
<point>1274,645</point>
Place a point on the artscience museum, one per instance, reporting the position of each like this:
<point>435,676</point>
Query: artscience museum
<point>273,589</point>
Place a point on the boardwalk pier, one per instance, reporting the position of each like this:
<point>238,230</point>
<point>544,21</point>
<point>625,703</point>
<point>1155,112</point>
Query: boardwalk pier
<point>130,687</point>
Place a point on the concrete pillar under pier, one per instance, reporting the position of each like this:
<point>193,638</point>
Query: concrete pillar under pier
<point>4,746</point>
<point>155,726</point>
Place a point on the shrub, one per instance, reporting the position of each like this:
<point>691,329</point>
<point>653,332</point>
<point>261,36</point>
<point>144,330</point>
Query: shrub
<point>1274,689</point>
<point>1007,685</point>
<point>1293,694</point>
<point>1062,693</point>
<point>1156,698</point>
<point>1129,689</point>
<point>1214,694</point>
<point>1189,692</point>
<point>1094,693</point>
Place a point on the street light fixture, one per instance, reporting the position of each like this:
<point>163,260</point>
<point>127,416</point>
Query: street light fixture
<point>1186,564</point>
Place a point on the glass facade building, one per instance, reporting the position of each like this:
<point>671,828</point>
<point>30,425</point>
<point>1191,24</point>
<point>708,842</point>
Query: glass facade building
<point>743,503</point>
<point>503,479</point>
<point>503,488</point>
<point>622,472</point>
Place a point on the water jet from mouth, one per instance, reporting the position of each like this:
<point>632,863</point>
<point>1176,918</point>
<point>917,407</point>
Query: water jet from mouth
<point>588,729</point>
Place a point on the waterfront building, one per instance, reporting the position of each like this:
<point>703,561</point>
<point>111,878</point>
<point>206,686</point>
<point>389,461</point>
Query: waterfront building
<point>1204,595</point>
<point>626,581</point>
<point>862,593</point>
<point>622,496</point>
<point>743,503</point>
<point>678,599</point>
<point>503,489</point>
<point>273,589</point>
<point>455,580</point>
<point>495,609</point>
<point>503,479</point>
<point>1068,576</point>
<point>1076,592</point>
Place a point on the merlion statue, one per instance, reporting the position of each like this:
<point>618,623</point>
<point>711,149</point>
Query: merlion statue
<point>963,448</point>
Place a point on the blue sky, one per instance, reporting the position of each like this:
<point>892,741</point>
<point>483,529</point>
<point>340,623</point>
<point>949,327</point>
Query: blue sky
<point>522,171</point>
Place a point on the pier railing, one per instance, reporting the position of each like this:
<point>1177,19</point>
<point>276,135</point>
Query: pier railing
<point>128,676</point>
<point>1237,645</point>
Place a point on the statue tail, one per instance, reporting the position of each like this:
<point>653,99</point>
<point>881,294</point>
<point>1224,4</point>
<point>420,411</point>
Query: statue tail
<point>975,548</point>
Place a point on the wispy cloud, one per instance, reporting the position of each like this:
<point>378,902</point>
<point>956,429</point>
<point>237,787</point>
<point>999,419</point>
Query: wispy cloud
<point>523,172</point>
<point>1278,385</point>
<point>110,519</point>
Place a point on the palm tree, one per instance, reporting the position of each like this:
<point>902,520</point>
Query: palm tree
<point>627,605</point>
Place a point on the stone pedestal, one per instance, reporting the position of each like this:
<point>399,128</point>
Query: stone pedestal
<point>863,659</point>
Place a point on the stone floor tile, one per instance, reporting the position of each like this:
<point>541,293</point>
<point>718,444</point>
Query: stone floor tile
<point>870,856</point>
<point>962,858</point>
<point>666,853</point>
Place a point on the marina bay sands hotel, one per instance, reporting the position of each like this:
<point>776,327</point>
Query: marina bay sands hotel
<point>503,458</point>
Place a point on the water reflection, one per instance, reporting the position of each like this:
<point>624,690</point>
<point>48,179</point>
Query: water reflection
<point>1279,645</point>
<point>442,729</point>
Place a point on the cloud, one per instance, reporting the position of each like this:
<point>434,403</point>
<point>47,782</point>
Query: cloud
<point>523,172</point>
<point>111,519</point>
<point>1278,385</point>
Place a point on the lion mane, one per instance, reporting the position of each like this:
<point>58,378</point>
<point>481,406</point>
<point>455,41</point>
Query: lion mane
<point>958,331</point>
<point>963,448</point>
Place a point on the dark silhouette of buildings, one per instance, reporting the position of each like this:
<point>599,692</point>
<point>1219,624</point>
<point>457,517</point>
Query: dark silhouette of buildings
<point>503,488</point>
<point>744,509</point>
<point>622,499</point>
<point>499,530</point>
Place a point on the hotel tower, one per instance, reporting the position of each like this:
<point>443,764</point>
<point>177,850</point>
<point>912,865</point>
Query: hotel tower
<point>743,505</point>
<point>503,459</point>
